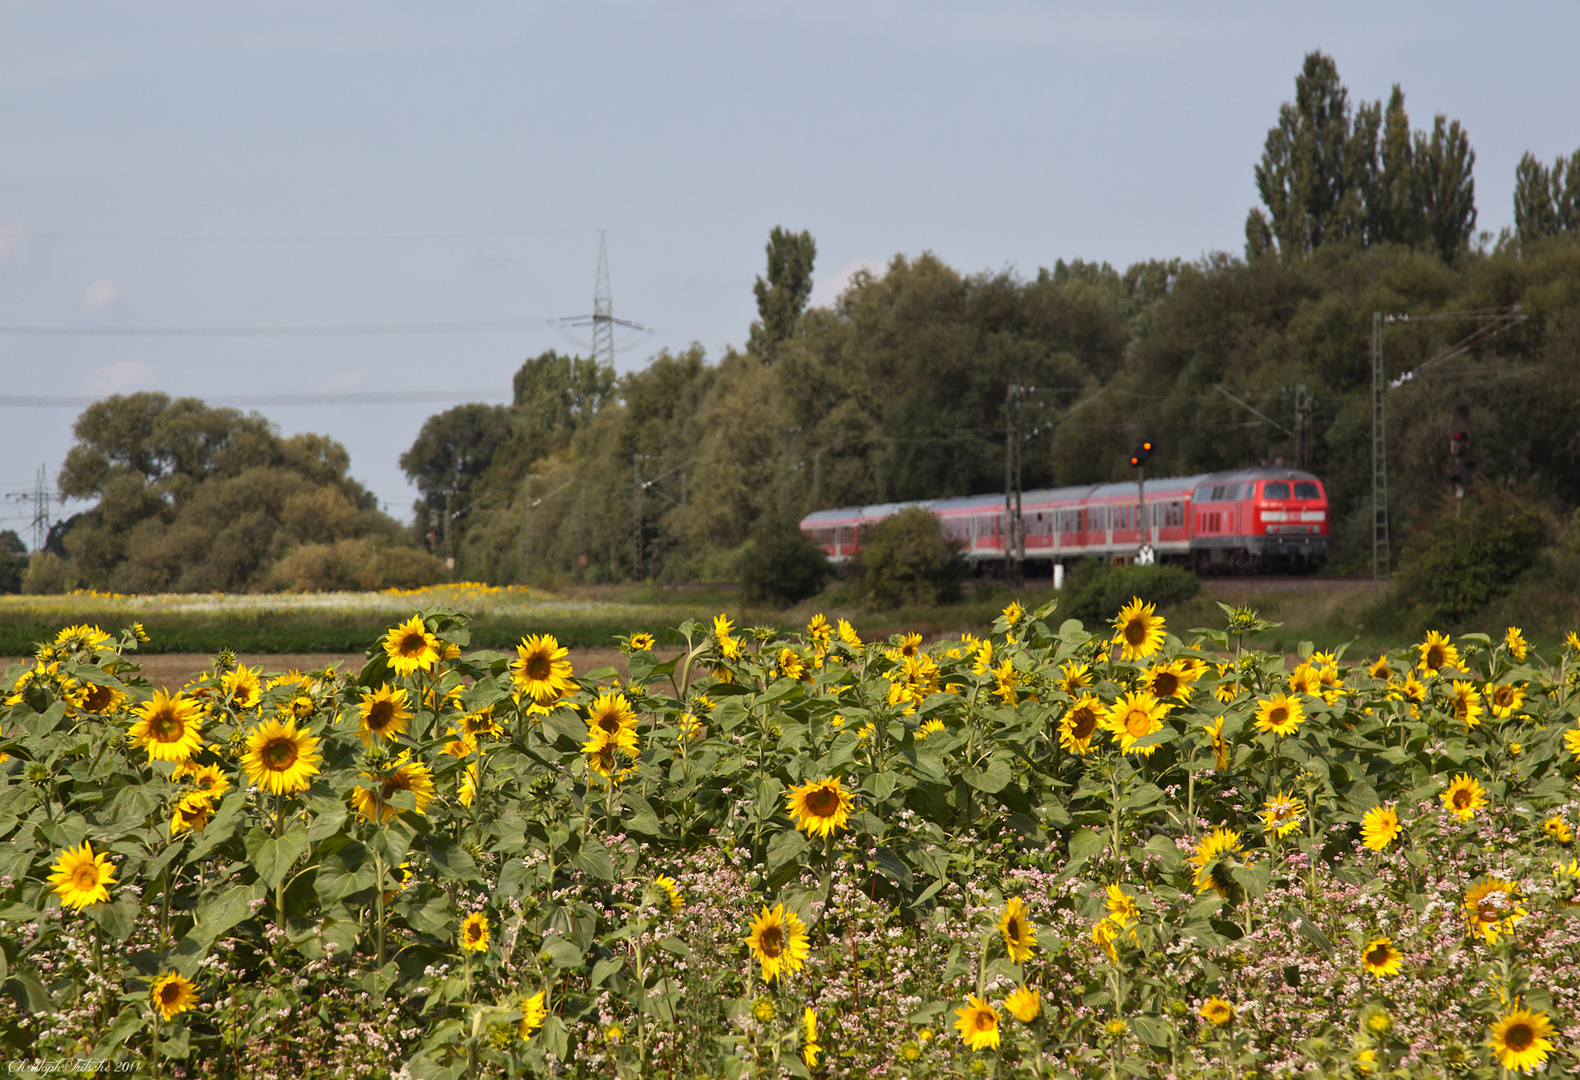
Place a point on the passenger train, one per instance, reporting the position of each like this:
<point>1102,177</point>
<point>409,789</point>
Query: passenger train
<point>1261,519</point>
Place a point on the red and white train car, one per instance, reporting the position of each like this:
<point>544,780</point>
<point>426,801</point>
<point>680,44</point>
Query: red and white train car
<point>1246,519</point>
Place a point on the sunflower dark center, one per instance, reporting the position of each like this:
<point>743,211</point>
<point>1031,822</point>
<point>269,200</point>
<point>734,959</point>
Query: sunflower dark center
<point>1085,722</point>
<point>1135,632</point>
<point>1378,955</point>
<point>1012,929</point>
<point>1138,723</point>
<point>537,667</point>
<point>99,698</point>
<point>610,722</point>
<point>278,754</point>
<point>380,715</point>
<point>823,803</point>
<point>1461,798</point>
<point>1503,697</point>
<point>1278,716</point>
<point>1166,684</point>
<point>1486,912</point>
<point>170,994</point>
<point>1435,657</point>
<point>87,876</point>
<point>167,727</point>
<point>412,644</point>
<point>985,1021</point>
<point>771,942</point>
<point>1519,1036</point>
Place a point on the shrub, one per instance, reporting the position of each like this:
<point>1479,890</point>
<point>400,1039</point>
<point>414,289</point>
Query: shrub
<point>1094,592</point>
<point>907,559</point>
<point>781,566</point>
<point>1462,559</point>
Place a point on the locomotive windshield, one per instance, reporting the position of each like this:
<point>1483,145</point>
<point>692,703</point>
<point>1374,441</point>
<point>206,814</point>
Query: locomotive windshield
<point>1275,489</point>
<point>1307,489</point>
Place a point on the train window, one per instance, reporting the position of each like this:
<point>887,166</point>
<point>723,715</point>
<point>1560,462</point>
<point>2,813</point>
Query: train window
<point>1275,489</point>
<point>1306,489</point>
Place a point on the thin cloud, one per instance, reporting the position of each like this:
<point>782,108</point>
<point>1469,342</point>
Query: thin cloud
<point>827,290</point>
<point>120,376</point>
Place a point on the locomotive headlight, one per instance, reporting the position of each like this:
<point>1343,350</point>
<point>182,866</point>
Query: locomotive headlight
<point>1313,515</point>
<point>1275,515</point>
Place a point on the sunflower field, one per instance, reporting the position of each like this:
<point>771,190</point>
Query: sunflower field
<point>1046,852</point>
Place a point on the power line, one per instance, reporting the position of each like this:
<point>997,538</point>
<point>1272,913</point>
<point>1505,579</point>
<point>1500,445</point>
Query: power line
<point>478,326</point>
<point>245,401</point>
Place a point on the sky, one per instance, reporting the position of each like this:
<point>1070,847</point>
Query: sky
<point>288,167</point>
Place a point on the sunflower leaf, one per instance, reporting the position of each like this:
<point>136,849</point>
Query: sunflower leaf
<point>272,856</point>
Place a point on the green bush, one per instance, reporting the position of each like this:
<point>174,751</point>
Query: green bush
<point>907,559</point>
<point>1094,592</point>
<point>781,566</point>
<point>1464,558</point>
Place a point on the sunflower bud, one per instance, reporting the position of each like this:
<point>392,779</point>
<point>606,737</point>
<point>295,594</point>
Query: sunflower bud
<point>38,774</point>
<point>763,1010</point>
<point>223,661</point>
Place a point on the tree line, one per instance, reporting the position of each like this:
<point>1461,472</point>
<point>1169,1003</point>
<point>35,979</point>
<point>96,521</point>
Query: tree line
<point>899,390</point>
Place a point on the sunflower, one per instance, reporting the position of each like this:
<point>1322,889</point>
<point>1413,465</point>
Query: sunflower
<point>80,638</point>
<point>1558,829</point>
<point>1380,827</point>
<point>1464,797</point>
<point>279,758</point>
<point>1220,744</point>
<point>81,877</point>
<point>908,645</point>
<point>1306,679</point>
<point>242,686</point>
<point>1020,936</point>
<point>1281,814</point>
<point>384,713</point>
<point>1519,1040</point>
<point>541,669</point>
<point>819,807</point>
<point>171,728</point>
<point>474,933</point>
<point>1380,958</point>
<point>1572,743</point>
<point>847,634</point>
<point>983,657</point>
<point>1515,642</point>
<point>1137,630</point>
<point>1122,908</point>
<point>1104,934</point>
<point>1024,1003</point>
<point>789,665</point>
<point>1280,715</point>
<point>778,942</point>
<point>1505,700</point>
<point>410,647</point>
<point>402,774</point>
<point>810,1048</point>
<point>1079,723</point>
<point>603,753</point>
<point>671,891</point>
<point>932,727</point>
<point>1014,613</point>
<point>209,779</point>
<point>1074,676</point>
<point>641,642</point>
<point>467,792</point>
<point>818,632</point>
<point>1005,681</point>
<point>191,812</point>
<point>481,723</point>
<point>1492,908</point>
<point>100,699</point>
<point>1437,653</point>
<point>612,714</point>
<point>1379,669</point>
<point>978,1024</point>
<point>533,1013</point>
<point>1167,681</point>
<point>1209,860</point>
<point>172,993</point>
<point>1466,705</point>
<point>1217,1011</point>
<point>1134,717</point>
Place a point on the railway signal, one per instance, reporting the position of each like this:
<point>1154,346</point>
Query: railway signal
<point>1138,461</point>
<point>1461,464</point>
<point>1139,456</point>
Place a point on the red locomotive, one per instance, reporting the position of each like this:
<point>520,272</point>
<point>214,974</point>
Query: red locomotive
<point>1258,519</point>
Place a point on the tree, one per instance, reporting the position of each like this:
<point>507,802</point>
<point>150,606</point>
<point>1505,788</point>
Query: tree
<point>1546,201</point>
<point>781,565</point>
<point>1393,212</point>
<point>1305,176</point>
<point>453,449</point>
<point>1443,165</point>
<point>555,394</point>
<point>907,559</point>
<point>782,298</point>
<point>13,561</point>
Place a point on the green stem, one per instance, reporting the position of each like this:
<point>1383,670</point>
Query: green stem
<point>378,905</point>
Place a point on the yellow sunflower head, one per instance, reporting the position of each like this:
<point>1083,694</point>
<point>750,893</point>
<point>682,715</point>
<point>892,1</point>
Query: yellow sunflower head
<point>1014,613</point>
<point>373,803</point>
<point>172,993</point>
<point>1216,1011</point>
<point>1167,681</point>
<point>1280,715</point>
<point>80,638</point>
<point>1519,1040</point>
<point>1024,1003</point>
<point>1138,630</point>
<point>847,634</point>
<point>191,812</point>
<point>1464,797</point>
<point>170,727</point>
<point>242,686</point>
<point>1466,704</point>
<point>533,1013</point>
<point>81,878</point>
<point>1380,668</point>
<point>612,714</point>
<point>1380,827</point>
<point>1079,723</point>
<point>978,1024</point>
<point>810,1048</point>
<point>541,669</point>
<point>669,889</point>
<point>819,807</point>
<point>604,753</point>
<point>1074,676</point>
<point>1211,859</point>
<point>819,632</point>
<point>778,942</point>
<point>1558,829</point>
<point>1121,906</point>
<point>410,647</point>
<point>1505,700</point>
<point>474,933</point>
<point>641,642</point>
<point>1282,813</point>
<point>1134,717</point>
<point>280,759</point>
<point>1020,936</point>
<point>1492,908</point>
<point>1437,653</point>
<point>384,714</point>
<point>1515,642</point>
<point>100,699</point>
<point>1380,958</point>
